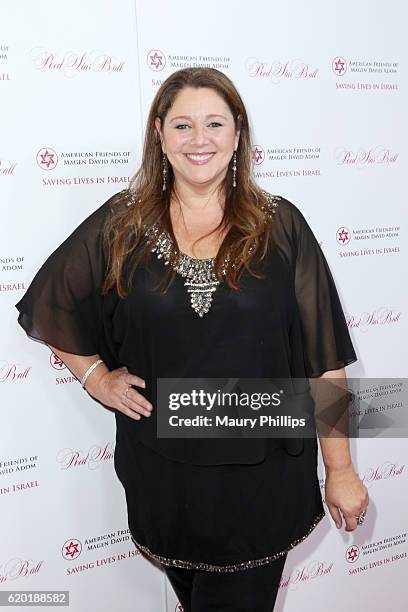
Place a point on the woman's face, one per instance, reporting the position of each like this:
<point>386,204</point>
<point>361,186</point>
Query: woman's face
<point>198,136</point>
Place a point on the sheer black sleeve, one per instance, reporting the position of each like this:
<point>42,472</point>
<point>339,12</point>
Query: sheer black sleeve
<point>63,306</point>
<point>326,338</point>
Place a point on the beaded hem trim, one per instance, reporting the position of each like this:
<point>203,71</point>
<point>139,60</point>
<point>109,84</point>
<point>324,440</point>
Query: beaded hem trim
<point>201,281</point>
<point>228,568</point>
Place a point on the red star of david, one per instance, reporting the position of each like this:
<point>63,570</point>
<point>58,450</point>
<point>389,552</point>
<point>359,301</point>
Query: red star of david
<point>352,554</point>
<point>71,549</point>
<point>156,60</point>
<point>343,235</point>
<point>57,361</point>
<point>339,66</point>
<point>47,158</point>
<point>257,154</point>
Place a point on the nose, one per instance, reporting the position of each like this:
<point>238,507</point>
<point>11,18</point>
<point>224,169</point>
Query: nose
<point>199,136</point>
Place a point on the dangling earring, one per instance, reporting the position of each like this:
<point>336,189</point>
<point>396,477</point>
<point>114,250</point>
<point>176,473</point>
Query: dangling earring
<point>234,170</point>
<point>164,171</point>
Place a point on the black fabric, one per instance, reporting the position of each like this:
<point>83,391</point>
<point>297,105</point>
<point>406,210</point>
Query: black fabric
<point>244,591</point>
<point>62,306</point>
<point>290,324</point>
<point>221,515</point>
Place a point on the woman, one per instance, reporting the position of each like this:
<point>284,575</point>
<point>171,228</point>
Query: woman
<point>194,271</point>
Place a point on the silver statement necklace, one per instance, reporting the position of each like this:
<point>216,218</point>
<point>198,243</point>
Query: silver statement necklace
<point>200,279</point>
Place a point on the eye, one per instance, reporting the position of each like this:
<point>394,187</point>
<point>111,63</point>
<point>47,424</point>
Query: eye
<point>216,124</point>
<point>181,125</point>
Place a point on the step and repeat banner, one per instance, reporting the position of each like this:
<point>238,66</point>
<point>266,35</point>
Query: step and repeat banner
<point>325,88</point>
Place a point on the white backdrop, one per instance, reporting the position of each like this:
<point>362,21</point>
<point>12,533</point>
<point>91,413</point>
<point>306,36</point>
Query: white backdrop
<point>325,86</point>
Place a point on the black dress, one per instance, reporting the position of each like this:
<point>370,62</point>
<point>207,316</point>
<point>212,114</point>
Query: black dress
<point>215,505</point>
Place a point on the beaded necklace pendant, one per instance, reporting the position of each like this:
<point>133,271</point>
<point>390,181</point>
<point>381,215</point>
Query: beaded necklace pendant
<point>200,279</point>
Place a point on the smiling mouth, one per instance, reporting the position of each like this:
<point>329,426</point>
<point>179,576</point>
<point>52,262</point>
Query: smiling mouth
<point>199,158</point>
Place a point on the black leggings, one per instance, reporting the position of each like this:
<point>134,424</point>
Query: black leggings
<point>250,590</point>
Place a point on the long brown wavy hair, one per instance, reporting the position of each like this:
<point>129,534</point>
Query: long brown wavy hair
<point>249,237</point>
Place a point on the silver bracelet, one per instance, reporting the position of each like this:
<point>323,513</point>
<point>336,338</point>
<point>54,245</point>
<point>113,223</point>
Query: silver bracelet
<point>89,371</point>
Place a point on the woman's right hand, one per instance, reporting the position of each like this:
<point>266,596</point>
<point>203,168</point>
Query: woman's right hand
<point>113,389</point>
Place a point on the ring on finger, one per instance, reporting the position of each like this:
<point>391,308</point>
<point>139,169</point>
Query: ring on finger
<point>126,392</point>
<point>361,517</point>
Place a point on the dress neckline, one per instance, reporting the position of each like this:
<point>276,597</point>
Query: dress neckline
<point>199,274</point>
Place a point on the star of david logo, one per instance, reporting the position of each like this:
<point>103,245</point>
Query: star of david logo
<point>352,553</point>
<point>47,158</point>
<point>339,66</point>
<point>258,154</point>
<point>57,362</point>
<point>71,549</point>
<point>343,235</point>
<point>156,60</point>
